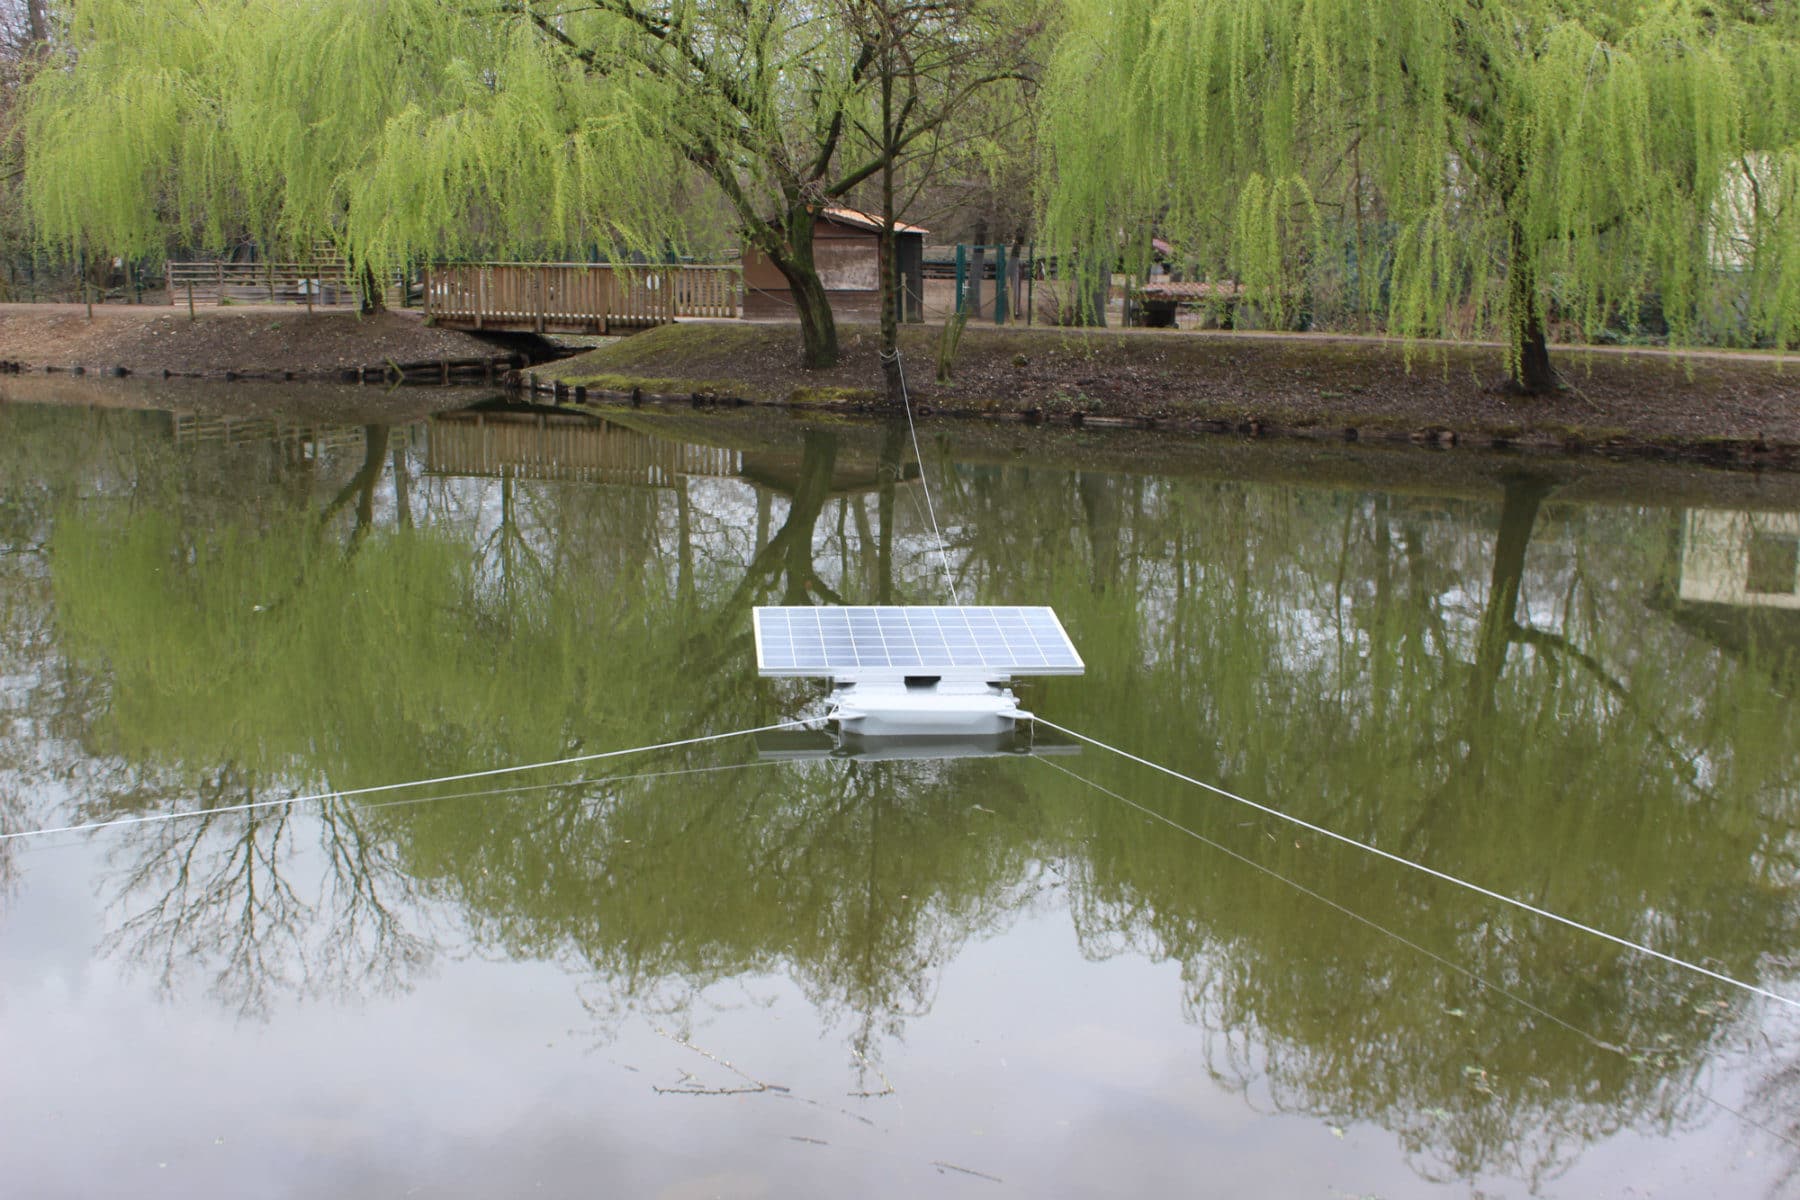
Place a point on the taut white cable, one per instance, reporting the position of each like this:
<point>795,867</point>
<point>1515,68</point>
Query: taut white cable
<point>392,787</point>
<point>924,483</point>
<point>1533,909</point>
<point>1591,1039</point>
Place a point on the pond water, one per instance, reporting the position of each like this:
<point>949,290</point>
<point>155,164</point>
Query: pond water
<point>712,971</point>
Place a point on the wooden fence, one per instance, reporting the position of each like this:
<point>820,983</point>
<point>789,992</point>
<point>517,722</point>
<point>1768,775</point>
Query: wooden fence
<point>543,446</point>
<point>325,284</point>
<point>576,297</point>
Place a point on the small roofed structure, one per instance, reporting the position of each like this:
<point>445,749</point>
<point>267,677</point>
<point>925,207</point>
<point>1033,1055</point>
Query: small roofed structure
<point>847,253</point>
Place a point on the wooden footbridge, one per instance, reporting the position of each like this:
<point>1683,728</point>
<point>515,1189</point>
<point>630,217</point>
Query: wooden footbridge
<point>577,297</point>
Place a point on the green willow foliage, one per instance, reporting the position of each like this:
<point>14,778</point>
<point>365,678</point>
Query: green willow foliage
<point>1515,160</point>
<point>393,129</point>
<point>401,129</point>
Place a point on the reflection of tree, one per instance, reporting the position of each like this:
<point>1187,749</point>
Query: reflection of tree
<point>789,554</point>
<point>361,486</point>
<point>1499,619</point>
<point>1331,655</point>
<point>223,890</point>
<point>1344,656</point>
<point>859,881</point>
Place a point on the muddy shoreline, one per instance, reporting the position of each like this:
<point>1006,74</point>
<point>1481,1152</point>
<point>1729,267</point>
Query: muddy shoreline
<point>1714,408</point>
<point>1720,409</point>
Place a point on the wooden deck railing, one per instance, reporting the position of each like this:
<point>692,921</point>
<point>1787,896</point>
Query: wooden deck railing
<point>327,283</point>
<point>575,297</point>
<point>708,291</point>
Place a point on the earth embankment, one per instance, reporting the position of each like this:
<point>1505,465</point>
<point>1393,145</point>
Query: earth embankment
<point>1743,407</point>
<point>150,339</point>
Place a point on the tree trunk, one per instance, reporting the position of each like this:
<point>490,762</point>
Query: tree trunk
<point>794,259</point>
<point>887,276</point>
<point>37,28</point>
<point>1532,373</point>
<point>1535,376</point>
<point>818,328</point>
<point>374,298</point>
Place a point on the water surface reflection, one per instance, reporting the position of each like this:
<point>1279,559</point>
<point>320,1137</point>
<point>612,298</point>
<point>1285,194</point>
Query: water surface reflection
<point>946,970</point>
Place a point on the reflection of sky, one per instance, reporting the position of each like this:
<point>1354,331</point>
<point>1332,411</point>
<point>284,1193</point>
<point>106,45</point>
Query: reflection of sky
<point>1054,1073</point>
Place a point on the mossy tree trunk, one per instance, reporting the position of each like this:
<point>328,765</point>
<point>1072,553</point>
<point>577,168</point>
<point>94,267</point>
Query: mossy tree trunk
<point>792,255</point>
<point>374,298</point>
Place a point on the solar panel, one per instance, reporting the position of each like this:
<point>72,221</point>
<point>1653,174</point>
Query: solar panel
<point>890,641</point>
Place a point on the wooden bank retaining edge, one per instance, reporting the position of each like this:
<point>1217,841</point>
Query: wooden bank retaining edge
<point>438,371</point>
<point>1738,453</point>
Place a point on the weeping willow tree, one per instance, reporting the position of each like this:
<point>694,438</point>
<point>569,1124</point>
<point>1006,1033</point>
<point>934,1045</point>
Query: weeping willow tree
<point>406,129</point>
<point>1522,162</point>
<point>390,131</point>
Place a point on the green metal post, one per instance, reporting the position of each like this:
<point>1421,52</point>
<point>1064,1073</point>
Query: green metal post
<point>962,272</point>
<point>1000,313</point>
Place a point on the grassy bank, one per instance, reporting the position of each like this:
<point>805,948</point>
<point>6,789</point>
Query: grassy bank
<point>1730,407</point>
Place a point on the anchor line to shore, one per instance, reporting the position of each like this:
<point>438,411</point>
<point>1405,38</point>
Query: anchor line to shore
<point>1444,876</point>
<point>1465,972</point>
<point>924,484</point>
<point>489,773</point>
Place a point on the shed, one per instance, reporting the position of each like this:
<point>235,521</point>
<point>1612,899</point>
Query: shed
<point>847,252</point>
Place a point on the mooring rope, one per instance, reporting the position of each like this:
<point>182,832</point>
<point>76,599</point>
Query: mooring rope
<point>634,777</point>
<point>1465,972</point>
<point>1570,922</point>
<point>924,483</point>
<point>249,806</point>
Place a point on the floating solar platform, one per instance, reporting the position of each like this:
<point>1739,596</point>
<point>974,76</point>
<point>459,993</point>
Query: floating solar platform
<point>974,642</point>
<point>916,670</point>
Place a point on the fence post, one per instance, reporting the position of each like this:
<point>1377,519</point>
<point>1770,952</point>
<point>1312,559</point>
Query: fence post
<point>1000,297</point>
<point>962,270</point>
<point>1031,283</point>
<point>190,283</point>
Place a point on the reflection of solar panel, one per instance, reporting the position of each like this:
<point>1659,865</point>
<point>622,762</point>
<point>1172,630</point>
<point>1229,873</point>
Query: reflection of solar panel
<point>891,642</point>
